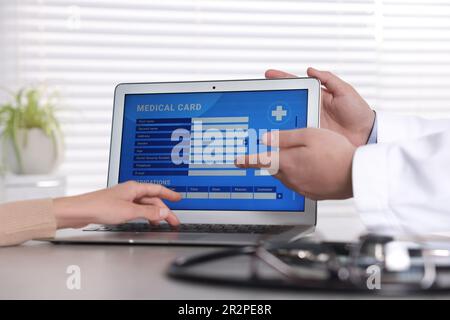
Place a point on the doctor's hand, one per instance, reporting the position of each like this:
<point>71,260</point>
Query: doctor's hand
<point>316,163</point>
<point>119,204</point>
<point>343,110</point>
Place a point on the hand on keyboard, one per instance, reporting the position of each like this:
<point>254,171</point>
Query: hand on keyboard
<point>116,205</point>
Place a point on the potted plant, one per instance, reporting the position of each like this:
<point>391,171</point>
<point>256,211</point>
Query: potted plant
<point>32,138</point>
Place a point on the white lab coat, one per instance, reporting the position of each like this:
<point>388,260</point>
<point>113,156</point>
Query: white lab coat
<point>402,183</point>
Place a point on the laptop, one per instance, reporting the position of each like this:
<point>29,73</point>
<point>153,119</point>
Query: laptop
<point>186,136</point>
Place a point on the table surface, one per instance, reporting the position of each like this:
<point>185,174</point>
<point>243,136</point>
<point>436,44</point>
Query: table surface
<point>37,270</point>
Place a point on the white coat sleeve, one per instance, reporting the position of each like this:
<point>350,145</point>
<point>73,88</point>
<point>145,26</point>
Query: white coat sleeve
<point>394,127</point>
<point>405,186</point>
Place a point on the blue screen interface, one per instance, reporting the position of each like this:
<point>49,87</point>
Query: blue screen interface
<point>188,142</point>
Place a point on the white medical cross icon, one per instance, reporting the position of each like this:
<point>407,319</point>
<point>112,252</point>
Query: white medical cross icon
<point>279,113</point>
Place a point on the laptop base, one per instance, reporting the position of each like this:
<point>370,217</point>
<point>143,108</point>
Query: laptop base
<point>78,236</point>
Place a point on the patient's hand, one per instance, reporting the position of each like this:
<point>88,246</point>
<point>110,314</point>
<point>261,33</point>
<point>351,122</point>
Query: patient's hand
<point>343,110</point>
<point>119,204</point>
<point>316,163</point>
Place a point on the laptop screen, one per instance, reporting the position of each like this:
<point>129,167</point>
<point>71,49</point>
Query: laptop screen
<point>188,142</point>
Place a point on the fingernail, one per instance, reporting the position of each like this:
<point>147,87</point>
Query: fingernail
<point>264,138</point>
<point>163,213</point>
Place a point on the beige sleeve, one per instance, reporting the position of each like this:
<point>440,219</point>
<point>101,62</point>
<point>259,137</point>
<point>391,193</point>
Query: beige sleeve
<point>26,220</point>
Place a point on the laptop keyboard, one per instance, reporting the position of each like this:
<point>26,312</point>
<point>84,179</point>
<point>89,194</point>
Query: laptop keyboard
<point>197,228</point>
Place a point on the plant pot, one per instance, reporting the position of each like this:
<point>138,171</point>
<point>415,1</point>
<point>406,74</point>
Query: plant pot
<point>39,153</point>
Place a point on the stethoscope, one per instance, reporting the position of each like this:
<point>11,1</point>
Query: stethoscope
<point>375,264</point>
